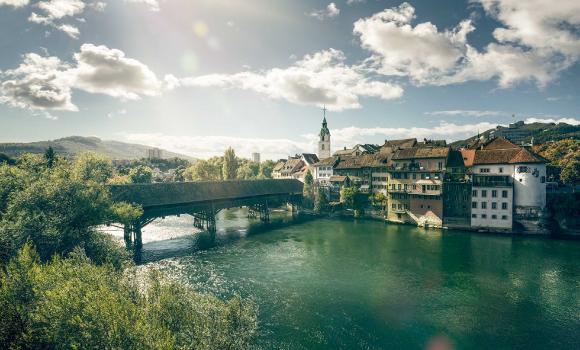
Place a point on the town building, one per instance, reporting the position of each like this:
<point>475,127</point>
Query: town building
<point>358,150</point>
<point>256,157</point>
<point>515,132</point>
<point>154,153</point>
<point>415,185</point>
<point>323,170</point>
<point>509,186</point>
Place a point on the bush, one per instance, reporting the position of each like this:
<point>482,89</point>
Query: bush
<point>72,304</point>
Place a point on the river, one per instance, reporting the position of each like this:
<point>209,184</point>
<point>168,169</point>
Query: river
<point>342,284</point>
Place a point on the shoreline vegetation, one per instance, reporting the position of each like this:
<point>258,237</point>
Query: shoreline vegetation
<point>65,285</point>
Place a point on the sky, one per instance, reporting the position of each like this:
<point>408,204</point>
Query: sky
<point>197,76</point>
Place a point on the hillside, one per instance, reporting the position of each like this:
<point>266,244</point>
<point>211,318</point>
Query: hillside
<point>542,132</point>
<point>73,145</point>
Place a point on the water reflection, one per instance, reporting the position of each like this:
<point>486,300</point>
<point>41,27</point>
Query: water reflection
<point>341,284</point>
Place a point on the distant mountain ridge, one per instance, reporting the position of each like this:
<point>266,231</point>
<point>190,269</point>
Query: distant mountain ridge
<point>74,145</point>
<point>542,132</point>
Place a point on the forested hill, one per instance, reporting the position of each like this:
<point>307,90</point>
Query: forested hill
<point>74,145</point>
<point>542,132</point>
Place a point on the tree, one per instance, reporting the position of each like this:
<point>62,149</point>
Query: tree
<point>71,303</point>
<point>56,209</point>
<point>347,196</point>
<point>571,173</point>
<point>205,170</point>
<point>248,170</point>
<point>266,168</point>
<point>92,167</point>
<point>230,165</point>
<point>50,156</point>
<point>563,157</point>
<point>320,200</point>
<point>141,175</point>
<point>307,190</point>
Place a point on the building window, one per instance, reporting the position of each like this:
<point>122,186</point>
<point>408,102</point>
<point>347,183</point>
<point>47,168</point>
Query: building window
<point>504,206</point>
<point>322,146</point>
<point>414,176</point>
<point>474,216</point>
<point>483,216</point>
<point>504,217</point>
<point>504,193</point>
<point>494,216</point>
<point>440,165</point>
<point>484,170</point>
<point>543,179</point>
<point>398,186</point>
<point>501,170</point>
<point>493,205</point>
<point>493,193</point>
<point>484,193</point>
<point>483,205</point>
<point>394,206</point>
<point>474,193</point>
<point>474,205</point>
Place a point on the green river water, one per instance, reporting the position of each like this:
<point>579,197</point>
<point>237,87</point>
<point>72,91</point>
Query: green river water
<point>341,284</point>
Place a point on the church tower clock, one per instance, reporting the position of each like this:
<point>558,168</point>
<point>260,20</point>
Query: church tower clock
<point>324,141</point>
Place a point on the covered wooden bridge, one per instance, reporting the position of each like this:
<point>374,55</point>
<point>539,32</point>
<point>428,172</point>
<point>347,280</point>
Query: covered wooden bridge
<point>203,200</point>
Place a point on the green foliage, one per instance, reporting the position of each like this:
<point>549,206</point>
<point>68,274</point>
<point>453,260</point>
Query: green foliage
<point>73,304</point>
<point>571,173</point>
<point>347,196</point>
<point>57,208</point>
<point>266,168</point>
<point>247,170</point>
<point>353,199</point>
<point>320,200</point>
<point>564,157</point>
<point>141,175</point>
<point>5,159</point>
<point>205,170</point>
<point>50,156</point>
<point>308,191</point>
<point>230,166</point>
<point>92,167</point>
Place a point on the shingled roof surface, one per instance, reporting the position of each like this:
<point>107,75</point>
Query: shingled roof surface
<point>363,161</point>
<point>421,153</point>
<point>499,143</point>
<point>310,158</point>
<point>403,143</point>
<point>506,156</point>
<point>158,194</point>
<point>330,161</point>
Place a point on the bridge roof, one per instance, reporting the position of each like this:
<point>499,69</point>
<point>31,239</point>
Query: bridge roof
<point>175,193</point>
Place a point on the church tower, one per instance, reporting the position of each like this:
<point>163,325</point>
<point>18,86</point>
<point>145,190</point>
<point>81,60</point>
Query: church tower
<point>324,141</point>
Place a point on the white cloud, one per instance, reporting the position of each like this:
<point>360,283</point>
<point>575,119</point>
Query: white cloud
<point>39,83</point>
<point>208,146</point>
<point>420,52</point>
<point>46,83</point>
<point>539,40</point>
<point>52,11</point>
<point>556,120</point>
<point>330,11</point>
<point>319,79</point>
<point>352,2</point>
<point>107,71</point>
<point>539,24</point>
<point>152,4</point>
<point>469,113</point>
<point>14,3</point>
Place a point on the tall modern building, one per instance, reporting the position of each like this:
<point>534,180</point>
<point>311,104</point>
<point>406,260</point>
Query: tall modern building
<point>256,157</point>
<point>324,141</point>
